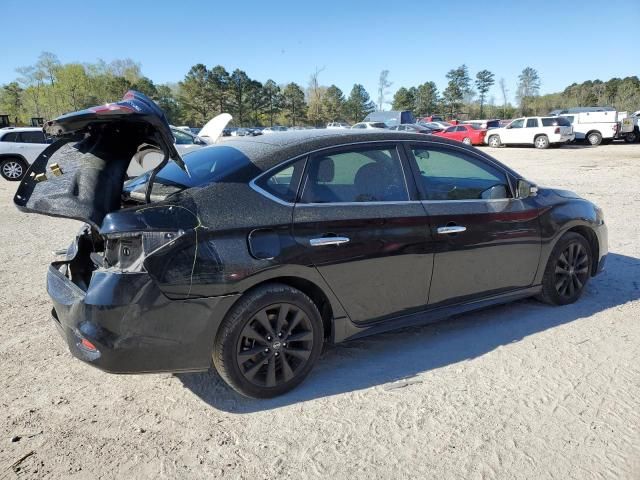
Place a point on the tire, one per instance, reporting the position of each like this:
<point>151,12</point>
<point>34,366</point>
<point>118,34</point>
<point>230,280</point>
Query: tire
<point>568,270</point>
<point>631,137</point>
<point>466,141</point>
<point>541,141</point>
<point>494,141</point>
<point>255,351</point>
<point>13,169</point>
<point>594,139</point>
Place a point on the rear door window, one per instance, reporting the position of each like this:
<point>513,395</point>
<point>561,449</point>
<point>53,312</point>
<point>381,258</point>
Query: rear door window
<point>532,122</point>
<point>357,175</point>
<point>32,137</point>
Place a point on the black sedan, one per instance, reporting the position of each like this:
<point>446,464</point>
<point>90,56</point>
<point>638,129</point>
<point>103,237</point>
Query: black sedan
<point>249,255</point>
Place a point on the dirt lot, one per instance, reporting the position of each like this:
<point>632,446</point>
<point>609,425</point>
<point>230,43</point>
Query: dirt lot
<point>520,391</point>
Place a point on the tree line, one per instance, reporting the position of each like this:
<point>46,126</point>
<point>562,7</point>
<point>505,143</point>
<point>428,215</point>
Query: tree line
<point>467,97</point>
<point>49,88</point>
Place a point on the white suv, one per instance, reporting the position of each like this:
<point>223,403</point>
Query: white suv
<point>540,132</point>
<point>19,147</point>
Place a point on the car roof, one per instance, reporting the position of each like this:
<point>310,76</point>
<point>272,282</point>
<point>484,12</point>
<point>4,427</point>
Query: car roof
<point>267,151</point>
<point>20,129</point>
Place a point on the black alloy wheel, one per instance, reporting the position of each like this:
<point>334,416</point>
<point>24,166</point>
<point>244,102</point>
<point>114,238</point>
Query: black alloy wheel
<point>568,270</point>
<point>269,341</point>
<point>275,345</point>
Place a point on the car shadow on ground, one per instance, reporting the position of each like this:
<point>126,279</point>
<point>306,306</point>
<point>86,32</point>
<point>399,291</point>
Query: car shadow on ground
<point>402,355</point>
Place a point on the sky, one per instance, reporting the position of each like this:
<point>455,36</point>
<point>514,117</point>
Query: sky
<point>566,41</point>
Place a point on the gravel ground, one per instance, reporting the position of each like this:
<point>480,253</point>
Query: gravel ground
<point>518,391</point>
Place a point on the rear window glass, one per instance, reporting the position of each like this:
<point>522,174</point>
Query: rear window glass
<point>9,137</point>
<point>205,166</point>
<point>379,125</point>
<point>555,122</point>
<point>32,137</point>
<point>475,126</point>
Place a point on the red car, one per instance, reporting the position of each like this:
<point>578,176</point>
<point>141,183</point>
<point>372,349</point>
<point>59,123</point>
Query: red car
<point>465,133</point>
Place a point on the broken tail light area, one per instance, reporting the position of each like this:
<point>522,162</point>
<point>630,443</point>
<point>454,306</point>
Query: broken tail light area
<point>127,251</point>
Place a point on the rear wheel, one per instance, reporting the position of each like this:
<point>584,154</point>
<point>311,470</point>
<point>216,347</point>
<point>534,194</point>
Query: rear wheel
<point>494,141</point>
<point>13,169</point>
<point>541,141</point>
<point>466,141</point>
<point>568,270</point>
<point>594,138</point>
<point>269,341</point>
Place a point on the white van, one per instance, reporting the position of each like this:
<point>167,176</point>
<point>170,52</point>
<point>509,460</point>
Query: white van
<point>594,127</point>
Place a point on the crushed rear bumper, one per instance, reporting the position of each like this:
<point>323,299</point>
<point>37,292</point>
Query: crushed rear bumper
<point>133,325</point>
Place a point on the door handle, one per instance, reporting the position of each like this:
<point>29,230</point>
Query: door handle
<point>451,229</point>
<point>322,241</point>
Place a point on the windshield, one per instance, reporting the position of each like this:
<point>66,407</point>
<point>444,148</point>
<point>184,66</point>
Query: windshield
<point>206,165</point>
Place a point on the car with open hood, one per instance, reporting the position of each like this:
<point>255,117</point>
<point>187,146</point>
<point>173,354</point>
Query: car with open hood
<point>251,254</point>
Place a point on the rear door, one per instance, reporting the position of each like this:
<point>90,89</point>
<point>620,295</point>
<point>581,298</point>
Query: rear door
<point>365,231</point>
<point>532,127</point>
<point>32,143</point>
<point>485,241</point>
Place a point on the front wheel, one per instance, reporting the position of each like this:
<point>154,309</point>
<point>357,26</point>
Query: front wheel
<point>631,137</point>
<point>568,270</point>
<point>541,141</point>
<point>12,169</point>
<point>494,141</point>
<point>269,341</point>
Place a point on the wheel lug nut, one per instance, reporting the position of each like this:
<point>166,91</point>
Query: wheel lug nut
<point>269,337</point>
<point>277,354</point>
<point>266,350</point>
<point>280,334</point>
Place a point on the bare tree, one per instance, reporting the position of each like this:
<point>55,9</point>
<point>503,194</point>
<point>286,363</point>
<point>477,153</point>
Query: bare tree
<point>315,93</point>
<point>505,93</point>
<point>383,85</point>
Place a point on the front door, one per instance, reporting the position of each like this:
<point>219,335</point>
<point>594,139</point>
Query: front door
<point>363,232</point>
<point>513,133</point>
<point>486,241</point>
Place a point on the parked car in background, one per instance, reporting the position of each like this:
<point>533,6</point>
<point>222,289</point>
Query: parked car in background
<point>19,147</point>
<point>275,128</point>
<point>412,127</point>
<point>436,126</point>
<point>252,254</point>
<point>365,125</point>
<point>432,118</point>
<point>485,124</point>
<point>465,133</point>
<point>391,118</point>
<point>338,125</point>
<point>241,132</point>
<point>540,132</point>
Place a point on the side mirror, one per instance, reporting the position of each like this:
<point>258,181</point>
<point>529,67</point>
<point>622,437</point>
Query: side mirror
<point>526,189</point>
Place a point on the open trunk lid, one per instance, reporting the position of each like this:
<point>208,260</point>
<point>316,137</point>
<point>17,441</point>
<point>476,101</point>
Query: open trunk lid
<point>81,175</point>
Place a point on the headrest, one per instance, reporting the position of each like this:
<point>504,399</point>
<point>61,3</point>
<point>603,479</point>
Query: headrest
<point>326,170</point>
